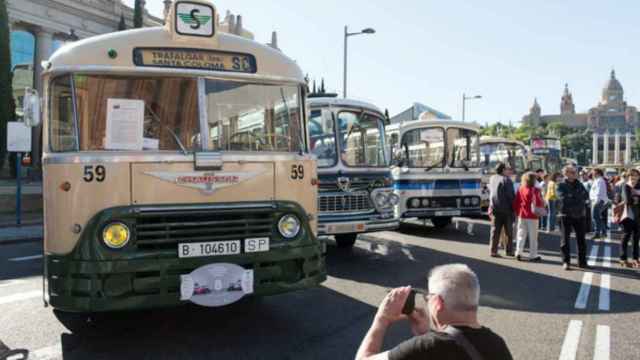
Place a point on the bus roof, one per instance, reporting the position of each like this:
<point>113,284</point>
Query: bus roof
<point>341,102</point>
<point>415,124</point>
<point>114,53</point>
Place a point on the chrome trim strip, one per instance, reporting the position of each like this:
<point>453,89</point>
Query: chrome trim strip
<point>150,209</point>
<point>130,70</point>
<point>163,157</point>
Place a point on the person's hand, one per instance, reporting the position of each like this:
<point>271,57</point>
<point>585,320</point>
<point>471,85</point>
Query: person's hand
<point>390,310</point>
<point>419,321</point>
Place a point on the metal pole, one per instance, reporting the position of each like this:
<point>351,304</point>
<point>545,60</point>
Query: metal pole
<point>464,99</point>
<point>18,189</point>
<point>344,80</point>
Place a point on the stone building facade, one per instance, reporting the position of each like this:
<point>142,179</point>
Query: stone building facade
<point>612,121</point>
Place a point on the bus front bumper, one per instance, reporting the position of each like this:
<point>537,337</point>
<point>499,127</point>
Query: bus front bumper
<point>350,224</point>
<point>98,286</point>
<point>433,213</point>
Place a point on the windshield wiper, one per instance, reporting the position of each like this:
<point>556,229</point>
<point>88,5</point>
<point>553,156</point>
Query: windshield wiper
<point>173,134</point>
<point>429,168</point>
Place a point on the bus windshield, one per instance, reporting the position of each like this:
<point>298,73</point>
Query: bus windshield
<point>507,153</point>
<point>361,139</point>
<point>253,117</point>
<point>323,139</point>
<point>423,148</point>
<point>462,147</point>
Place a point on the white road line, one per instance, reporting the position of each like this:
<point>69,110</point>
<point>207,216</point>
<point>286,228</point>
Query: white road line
<point>11,282</point>
<point>583,294</point>
<point>571,341</point>
<point>27,258</point>
<point>593,257</point>
<point>20,296</point>
<point>602,349</point>
<point>605,284</point>
<point>48,353</point>
<point>606,259</point>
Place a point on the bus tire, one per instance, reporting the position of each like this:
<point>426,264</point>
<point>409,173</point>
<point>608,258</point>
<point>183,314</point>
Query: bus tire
<point>346,240</point>
<point>441,222</point>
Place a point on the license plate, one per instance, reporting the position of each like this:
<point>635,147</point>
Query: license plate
<point>255,245</point>
<point>346,228</point>
<point>213,248</point>
<point>448,213</point>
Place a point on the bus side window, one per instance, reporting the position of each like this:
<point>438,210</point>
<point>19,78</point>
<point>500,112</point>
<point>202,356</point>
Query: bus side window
<point>61,128</point>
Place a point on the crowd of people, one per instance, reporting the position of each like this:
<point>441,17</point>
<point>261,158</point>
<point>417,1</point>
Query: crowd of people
<point>578,202</point>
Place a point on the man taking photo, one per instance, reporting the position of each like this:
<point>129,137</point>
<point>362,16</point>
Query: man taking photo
<point>452,310</point>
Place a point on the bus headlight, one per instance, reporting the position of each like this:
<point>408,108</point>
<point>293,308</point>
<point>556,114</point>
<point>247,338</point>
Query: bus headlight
<point>289,226</point>
<point>394,199</point>
<point>116,235</point>
<point>381,199</point>
<point>425,202</point>
<point>467,201</point>
<point>415,203</point>
<point>475,201</point>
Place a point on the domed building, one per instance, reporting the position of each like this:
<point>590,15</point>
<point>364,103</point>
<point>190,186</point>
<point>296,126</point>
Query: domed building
<point>612,121</point>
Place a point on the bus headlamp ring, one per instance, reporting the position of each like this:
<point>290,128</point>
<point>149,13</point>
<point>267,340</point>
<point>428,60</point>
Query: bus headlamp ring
<point>116,235</point>
<point>289,226</point>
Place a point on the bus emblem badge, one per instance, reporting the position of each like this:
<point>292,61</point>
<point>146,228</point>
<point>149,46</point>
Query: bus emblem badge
<point>344,184</point>
<point>206,182</point>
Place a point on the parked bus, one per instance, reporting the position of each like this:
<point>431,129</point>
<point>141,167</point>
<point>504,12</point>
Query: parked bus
<point>497,149</point>
<point>355,184</point>
<point>176,169</point>
<point>548,149</point>
<point>436,169</point>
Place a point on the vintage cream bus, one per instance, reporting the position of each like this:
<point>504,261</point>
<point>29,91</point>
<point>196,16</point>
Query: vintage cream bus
<point>356,193</point>
<point>176,169</point>
<point>436,169</point>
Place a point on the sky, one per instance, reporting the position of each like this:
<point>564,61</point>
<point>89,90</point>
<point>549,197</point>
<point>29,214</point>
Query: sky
<point>507,51</point>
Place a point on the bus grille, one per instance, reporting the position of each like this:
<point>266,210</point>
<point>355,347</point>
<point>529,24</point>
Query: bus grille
<point>165,229</point>
<point>446,202</point>
<point>344,202</point>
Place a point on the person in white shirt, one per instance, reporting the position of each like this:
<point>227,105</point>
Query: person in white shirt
<point>599,200</point>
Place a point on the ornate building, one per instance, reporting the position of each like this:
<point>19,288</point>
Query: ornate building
<point>612,121</point>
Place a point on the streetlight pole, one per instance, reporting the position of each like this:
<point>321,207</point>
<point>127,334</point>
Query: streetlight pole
<point>368,31</point>
<point>464,100</point>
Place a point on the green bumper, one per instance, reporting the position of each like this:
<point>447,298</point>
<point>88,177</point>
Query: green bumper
<point>146,273</point>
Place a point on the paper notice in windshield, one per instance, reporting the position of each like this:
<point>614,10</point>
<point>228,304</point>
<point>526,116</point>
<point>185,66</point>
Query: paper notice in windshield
<point>125,119</point>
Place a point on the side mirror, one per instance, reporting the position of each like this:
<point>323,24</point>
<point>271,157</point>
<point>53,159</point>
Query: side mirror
<point>31,107</point>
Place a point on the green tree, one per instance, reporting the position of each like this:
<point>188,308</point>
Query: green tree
<point>578,145</point>
<point>137,14</point>
<point>6,90</point>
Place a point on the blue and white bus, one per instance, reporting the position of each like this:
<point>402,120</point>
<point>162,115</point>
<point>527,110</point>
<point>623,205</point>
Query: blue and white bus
<point>436,169</point>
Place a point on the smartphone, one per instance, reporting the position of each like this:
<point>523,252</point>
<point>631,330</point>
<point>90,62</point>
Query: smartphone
<point>410,304</point>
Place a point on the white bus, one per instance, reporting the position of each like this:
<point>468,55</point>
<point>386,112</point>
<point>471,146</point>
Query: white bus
<point>436,169</point>
<point>355,184</point>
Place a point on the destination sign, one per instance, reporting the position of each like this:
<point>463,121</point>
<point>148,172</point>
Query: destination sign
<point>195,59</point>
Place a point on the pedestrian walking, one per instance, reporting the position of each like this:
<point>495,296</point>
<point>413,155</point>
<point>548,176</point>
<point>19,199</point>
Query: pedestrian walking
<point>551,198</point>
<point>630,199</point>
<point>501,196</point>
<point>572,216</point>
<point>528,207</point>
<point>543,223</point>
<point>599,199</point>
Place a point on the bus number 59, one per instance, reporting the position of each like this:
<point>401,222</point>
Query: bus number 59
<point>99,173</point>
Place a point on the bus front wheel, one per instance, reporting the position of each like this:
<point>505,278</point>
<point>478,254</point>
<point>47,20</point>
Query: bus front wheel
<point>346,240</point>
<point>441,222</point>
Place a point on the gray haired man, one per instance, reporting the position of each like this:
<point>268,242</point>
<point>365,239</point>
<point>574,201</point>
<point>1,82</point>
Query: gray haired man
<point>452,310</point>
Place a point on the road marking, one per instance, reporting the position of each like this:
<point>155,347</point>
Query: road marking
<point>571,341</point>
<point>593,257</point>
<point>27,258</point>
<point>48,353</point>
<point>605,284</point>
<point>20,296</point>
<point>583,294</point>
<point>606,259</point>
<point>11,282</point>
<point>602,349</point>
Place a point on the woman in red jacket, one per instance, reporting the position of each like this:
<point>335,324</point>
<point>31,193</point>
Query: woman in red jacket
<point>528,207</point>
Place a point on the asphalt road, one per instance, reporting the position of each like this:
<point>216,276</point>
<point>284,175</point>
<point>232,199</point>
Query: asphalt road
<point>542,311</point>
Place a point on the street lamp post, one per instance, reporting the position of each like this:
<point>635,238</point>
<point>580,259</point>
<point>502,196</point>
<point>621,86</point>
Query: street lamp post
<point>464,100</point>
<point>368,31</point>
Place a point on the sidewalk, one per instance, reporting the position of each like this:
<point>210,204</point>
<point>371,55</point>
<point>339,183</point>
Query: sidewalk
<point>29,231</point>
